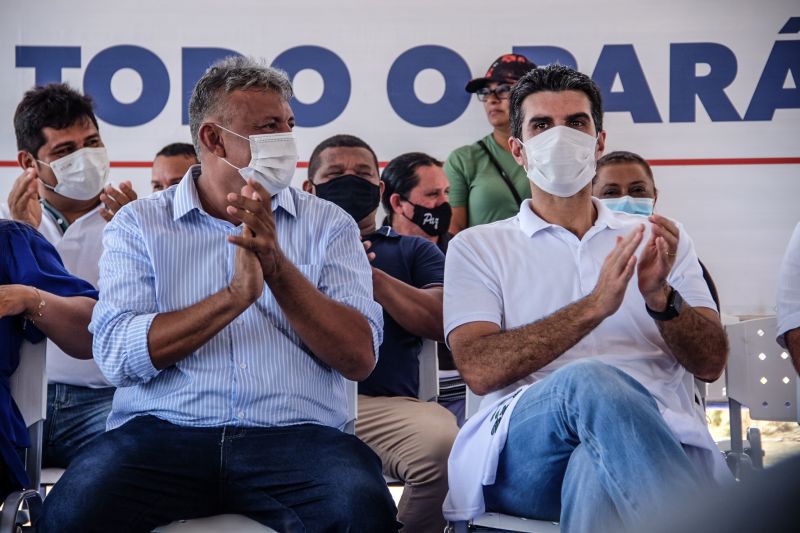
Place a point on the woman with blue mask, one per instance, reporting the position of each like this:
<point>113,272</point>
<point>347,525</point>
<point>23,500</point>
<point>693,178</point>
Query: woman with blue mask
<point>624,182</point>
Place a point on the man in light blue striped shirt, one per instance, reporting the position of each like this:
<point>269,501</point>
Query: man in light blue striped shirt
<point>230,314</point>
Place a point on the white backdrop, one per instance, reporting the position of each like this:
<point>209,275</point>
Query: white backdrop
<point>740,215</point>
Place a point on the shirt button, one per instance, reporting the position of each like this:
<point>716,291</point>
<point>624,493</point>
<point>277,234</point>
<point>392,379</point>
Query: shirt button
<point>242,365</point>
<point>240,414</point>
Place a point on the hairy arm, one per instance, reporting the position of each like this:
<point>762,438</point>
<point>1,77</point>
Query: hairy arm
<point>697,340</point>
<point>490,359</point>
<point>695,337</point>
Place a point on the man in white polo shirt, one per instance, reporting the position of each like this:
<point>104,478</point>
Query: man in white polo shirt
<point>62,193</point>
<point>579,325</point>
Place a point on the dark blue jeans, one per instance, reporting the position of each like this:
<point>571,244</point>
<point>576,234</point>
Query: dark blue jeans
<point>75,416</point>
<point>149,472</point>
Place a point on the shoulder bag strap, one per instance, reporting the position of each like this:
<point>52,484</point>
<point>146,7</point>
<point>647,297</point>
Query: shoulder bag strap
<point>502,172</point>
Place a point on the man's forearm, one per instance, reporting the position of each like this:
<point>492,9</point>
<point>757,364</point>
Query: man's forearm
<point>418,311</point>
<point>337,334</point>
<point>491,362</point>
<point>175,335</point>
<point>792,339</point>
<point>697,340</point>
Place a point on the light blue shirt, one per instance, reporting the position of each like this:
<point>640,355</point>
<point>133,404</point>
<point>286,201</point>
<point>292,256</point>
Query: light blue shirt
<point>165,253</point>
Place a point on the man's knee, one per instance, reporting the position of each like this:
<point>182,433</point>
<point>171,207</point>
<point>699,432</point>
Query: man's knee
<point>436,430</point>
<point>362,502</point>
<point>83,491</point>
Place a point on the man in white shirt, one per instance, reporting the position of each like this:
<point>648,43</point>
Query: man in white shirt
<point>60,193</point>
<point>579,325</point>
<point>789,300</point>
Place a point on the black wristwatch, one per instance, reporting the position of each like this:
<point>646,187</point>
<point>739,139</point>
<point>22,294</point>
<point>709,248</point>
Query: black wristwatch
<point>674,306</point>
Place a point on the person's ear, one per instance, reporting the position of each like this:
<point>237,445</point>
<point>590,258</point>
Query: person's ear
<point>382,187</point>
<point>518,151</point>
<point>25,159</point>
<point>211,140</point>
<point>601,145</point>
<point>309,187</point>
<point>655,196</point>
<point>394,202</point>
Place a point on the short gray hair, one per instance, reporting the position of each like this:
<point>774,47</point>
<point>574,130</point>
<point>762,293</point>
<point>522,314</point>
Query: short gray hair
<point>228,75</point>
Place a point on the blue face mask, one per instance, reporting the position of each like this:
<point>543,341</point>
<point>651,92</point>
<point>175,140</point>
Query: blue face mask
<point>628,204</point>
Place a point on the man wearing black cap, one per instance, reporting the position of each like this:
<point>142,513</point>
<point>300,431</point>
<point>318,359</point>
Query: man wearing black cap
<point>486,184</point>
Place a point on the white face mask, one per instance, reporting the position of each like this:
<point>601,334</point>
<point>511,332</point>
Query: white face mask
<point>629,204</point>
<point>81,174</point>
<point>561,160</point>
<point>273,158</point>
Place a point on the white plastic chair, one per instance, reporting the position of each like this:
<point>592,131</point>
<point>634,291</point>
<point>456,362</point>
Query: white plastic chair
<point>29,389</point>
<point>761,377</point>
<point>428,371</point>
<point>497,521</point>
<point>428,383</point>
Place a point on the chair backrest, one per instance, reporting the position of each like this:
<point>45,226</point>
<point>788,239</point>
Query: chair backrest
<point>29,390</point>
<point>428,371</point>
<point>472,404</point>
<point>760,372</point>
<point>29,383</point>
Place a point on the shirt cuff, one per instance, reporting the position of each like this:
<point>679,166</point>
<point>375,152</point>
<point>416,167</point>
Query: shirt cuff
<point>138,353</point>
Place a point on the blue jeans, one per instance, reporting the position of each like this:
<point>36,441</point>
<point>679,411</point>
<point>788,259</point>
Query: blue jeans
<point>149,472</point>
<point>75,416</point>
<point>589,447</point>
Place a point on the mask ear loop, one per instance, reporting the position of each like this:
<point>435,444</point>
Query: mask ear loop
<point>403,212</point>
<point>46,185</point>
<point>233,133</point>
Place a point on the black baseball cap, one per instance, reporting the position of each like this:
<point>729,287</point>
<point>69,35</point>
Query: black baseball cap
<point>506,68</point>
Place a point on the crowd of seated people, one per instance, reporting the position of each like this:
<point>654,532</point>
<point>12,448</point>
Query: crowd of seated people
<point>200,340</point>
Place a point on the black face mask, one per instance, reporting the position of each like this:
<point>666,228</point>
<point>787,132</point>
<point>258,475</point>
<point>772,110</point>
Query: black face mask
<point>355,195</point>
<point>435,221</point>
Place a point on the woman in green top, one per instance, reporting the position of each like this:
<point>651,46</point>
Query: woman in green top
<point>486,184</point>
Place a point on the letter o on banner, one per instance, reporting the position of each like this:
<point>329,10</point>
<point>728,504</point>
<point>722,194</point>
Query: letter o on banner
<point>400,86</point>
<point>335,76</point>
<point>155,85</point>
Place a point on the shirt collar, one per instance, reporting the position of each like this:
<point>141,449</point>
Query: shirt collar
<point>386,231</point>
<point>187,198</point>
<point>530,223</point>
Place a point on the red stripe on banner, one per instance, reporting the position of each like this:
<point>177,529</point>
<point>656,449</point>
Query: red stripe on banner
<point>653,162</point>
<point>725,161</point>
